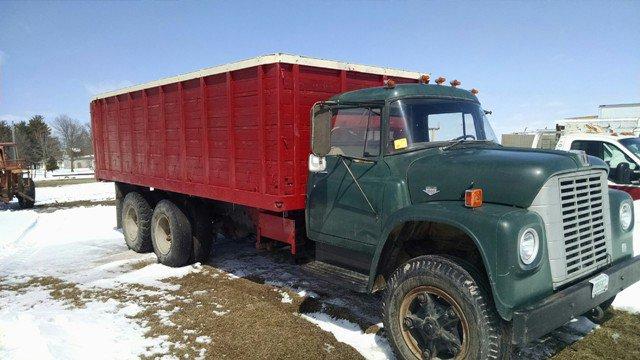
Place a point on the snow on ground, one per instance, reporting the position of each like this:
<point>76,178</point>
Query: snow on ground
<point>80,173</point>
<point>78,245</point>
<point>34,326</point>
<point>370,346</point>
<point>629,299</point>
<point>94,191</point>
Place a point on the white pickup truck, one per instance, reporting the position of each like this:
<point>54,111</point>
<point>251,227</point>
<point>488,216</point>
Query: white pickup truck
<point>620,152</point>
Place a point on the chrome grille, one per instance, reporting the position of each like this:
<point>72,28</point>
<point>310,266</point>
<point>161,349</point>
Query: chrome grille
<point>583,225</point>
<point>575,210</point>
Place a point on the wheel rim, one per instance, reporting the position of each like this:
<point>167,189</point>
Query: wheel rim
<point>162,234</point>
<point>130,223</point>
<point>433,324</point>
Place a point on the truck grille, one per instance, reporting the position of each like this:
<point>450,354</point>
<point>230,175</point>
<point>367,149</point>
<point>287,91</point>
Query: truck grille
<point>583,225</point>
<point>575,211</point>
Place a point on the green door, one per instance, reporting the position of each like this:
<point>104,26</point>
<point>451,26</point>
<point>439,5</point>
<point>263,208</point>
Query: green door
<point>339,206</point>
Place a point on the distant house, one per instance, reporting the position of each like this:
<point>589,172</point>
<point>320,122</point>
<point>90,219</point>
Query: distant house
<point>80,162</point>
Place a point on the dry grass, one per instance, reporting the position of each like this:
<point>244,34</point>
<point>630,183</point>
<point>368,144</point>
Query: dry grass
<point>617,338</point>
<point>243,319</point>
<point>62,182</point>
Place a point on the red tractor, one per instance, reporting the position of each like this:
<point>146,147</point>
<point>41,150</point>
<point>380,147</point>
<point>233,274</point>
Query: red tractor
<point>15,181</point>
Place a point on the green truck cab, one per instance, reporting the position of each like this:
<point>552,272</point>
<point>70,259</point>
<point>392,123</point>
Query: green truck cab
<point>477,247</point>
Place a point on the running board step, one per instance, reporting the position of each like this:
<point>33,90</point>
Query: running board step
<point>338,275</point>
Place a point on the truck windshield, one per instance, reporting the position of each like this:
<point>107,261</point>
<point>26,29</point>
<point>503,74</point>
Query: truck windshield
<point>633,144</point>
<point>417,123</point>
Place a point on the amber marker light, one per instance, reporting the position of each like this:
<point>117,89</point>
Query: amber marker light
<point>390,84</point>
<point>474,91</point>
<point>455,83</point>
<point>440,80</point>
<point>424,79</point>
<point>473,198</point>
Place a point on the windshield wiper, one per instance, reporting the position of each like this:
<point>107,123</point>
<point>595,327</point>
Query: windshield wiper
<point>457,142</point>
<point>454,144</point>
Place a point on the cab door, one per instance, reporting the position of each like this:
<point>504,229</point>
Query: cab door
<point>344,202</point>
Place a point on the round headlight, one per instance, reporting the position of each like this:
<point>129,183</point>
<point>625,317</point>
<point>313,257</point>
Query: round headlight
<point>529,246</point>
<point>626,215</point>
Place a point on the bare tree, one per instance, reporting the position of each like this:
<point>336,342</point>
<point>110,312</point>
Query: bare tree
<point>72,135</point>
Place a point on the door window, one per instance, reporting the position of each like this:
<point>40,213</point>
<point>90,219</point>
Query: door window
<point>355,132</point>
<point>610,153</point>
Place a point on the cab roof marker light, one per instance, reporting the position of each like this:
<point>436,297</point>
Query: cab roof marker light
<point>440,80</point>
<point>455,83</point>
<point>424,79</point>
<point>474,91</point>
<point>390,84</point>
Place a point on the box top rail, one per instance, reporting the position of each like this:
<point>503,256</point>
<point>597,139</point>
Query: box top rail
<point>262,60</point>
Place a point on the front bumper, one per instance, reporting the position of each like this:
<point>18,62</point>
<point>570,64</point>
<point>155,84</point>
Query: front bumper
<point>554,311</point>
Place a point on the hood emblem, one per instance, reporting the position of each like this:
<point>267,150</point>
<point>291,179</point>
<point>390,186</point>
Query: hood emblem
<point>430,190</point>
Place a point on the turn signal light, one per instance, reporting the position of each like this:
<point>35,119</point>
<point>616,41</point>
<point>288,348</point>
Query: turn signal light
<point>474,91</point>
<point>390,84</point>
<point>473,198</point>
<point>455,83</point>
<point>440,80</point>
<point>424,79</point>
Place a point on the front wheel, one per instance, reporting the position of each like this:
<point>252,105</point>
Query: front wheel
<point>434,309</point>
<point>30,191</point>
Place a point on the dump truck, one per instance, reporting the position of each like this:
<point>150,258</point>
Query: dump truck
<point>15,180</point>
<point>375,179</point>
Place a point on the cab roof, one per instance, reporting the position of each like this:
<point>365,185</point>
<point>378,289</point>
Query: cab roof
<point>383,93</point>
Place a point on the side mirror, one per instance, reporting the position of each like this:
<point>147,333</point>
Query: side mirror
<point>320,129</point>
<point>621,174</point>
<point>317,163</point>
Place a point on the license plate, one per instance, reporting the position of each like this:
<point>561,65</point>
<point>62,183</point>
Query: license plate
<point>599,284</point>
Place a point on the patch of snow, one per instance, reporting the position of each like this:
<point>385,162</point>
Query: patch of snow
<point>150,275</point>
<point>286,298</point>
<point>203,339</point>
<point>35,326</point>
<point>95,191</point>
<point>370,346</point>
<point>78,173</point>
<point>220,312</point>
<point>629,298</point>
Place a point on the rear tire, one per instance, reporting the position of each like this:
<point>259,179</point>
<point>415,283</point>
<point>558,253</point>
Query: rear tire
<point>433,307</point>
<point>171,235</point>
<point>30,190</point>
<point>202,231</point>
<point>136,222</point>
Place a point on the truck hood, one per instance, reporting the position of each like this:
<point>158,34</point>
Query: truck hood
<point>506,175</point>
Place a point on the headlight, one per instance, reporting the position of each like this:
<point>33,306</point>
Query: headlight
<point>529,246</point>
<point>626,215</point>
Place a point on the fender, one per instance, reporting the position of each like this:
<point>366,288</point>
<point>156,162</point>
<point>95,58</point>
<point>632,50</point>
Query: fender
<point>486,226</point>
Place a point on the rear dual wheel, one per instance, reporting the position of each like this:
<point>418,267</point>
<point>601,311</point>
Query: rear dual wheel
<point>136,222</point>
<point>171,235</point>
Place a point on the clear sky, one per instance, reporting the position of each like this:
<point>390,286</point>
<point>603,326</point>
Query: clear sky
<point>534,62</point>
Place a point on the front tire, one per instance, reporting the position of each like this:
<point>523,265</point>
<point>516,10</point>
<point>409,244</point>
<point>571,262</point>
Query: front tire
<point>171,235</point>
<point>434,308</point>
<point>30,190</point>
